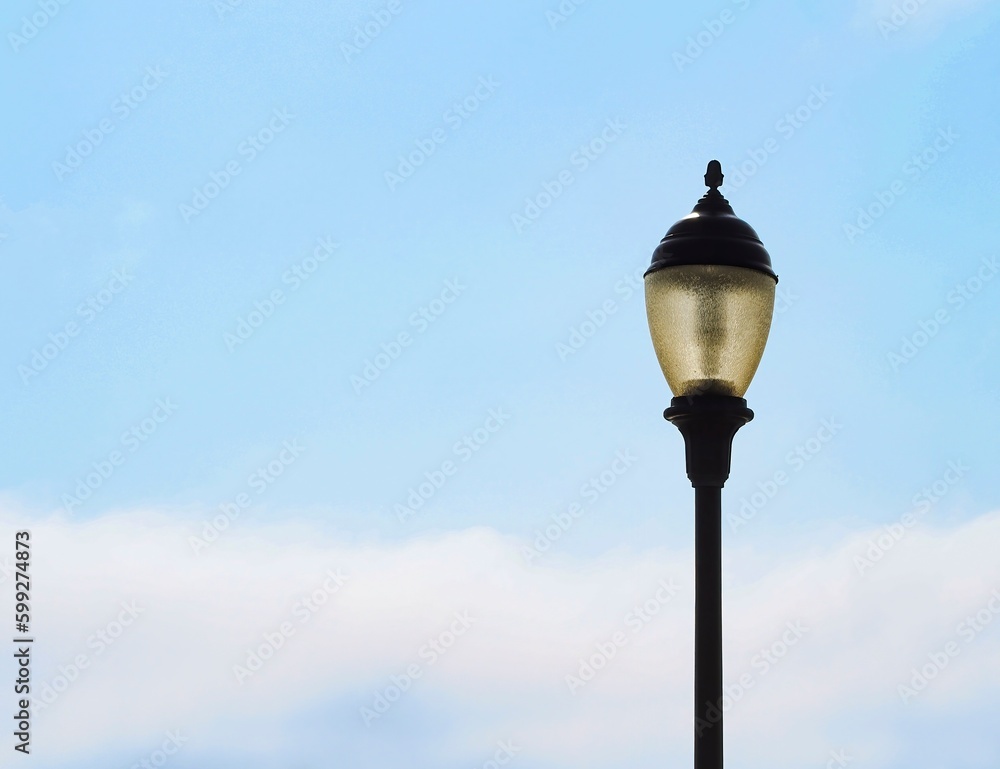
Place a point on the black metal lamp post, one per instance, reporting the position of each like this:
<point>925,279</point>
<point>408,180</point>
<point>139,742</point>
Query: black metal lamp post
<point>709,300</point>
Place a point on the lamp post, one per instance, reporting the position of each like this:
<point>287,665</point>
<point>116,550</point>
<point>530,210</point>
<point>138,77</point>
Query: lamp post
<point>709,301</point>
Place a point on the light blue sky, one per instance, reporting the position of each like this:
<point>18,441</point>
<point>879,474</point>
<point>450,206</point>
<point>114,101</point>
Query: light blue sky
<point>312,128</point>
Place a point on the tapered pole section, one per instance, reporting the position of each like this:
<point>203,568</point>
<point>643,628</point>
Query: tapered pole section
<point>708,627</point>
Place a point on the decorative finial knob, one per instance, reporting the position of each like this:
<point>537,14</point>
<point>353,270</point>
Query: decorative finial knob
<point>713,176</point>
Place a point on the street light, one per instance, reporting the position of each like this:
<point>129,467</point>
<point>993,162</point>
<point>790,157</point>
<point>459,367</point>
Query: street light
<point>709,301</point>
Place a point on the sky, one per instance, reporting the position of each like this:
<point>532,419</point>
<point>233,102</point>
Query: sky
<point>332,413</point>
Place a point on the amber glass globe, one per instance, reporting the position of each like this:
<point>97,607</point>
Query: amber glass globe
<point>709,325</point>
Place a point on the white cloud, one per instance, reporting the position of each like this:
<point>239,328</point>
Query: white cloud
<point>505,676</point>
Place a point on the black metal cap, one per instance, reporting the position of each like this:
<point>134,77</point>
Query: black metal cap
<point>712,234</point>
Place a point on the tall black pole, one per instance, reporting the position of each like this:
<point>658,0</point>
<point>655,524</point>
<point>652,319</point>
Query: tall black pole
<point>708,424</point>
<point>708,626</point>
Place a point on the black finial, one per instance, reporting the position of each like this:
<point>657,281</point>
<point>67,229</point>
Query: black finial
<point>713,176</point>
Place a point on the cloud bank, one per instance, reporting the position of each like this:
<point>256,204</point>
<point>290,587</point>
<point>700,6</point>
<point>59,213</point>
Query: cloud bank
<point>439,651</point>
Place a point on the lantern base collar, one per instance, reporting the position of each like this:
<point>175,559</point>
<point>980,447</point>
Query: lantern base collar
<point>708,424</point>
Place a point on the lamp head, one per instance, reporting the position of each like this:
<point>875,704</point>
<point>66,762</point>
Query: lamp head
<point>710,298</point>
